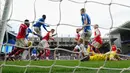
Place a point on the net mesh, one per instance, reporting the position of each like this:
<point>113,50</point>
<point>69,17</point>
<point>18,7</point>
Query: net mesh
<point>28,65</point>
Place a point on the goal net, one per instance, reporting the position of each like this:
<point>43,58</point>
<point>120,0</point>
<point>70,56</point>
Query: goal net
<point>64,16</point>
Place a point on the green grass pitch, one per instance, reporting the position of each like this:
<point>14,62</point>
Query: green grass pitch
<point>68,63</point>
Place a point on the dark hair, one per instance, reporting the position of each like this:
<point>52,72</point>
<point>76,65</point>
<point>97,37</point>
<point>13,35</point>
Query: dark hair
<point>44,16</point>
<point>83,10</point>
<point>26,22</point>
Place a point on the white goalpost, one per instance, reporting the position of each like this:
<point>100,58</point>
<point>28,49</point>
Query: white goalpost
<point>4,19</point>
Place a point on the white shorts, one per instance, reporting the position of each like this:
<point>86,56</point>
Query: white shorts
<point>86,35</point>
<point>96,44</point>
<point>83,49</point>
<point>37,30</point>
<point>77,47</point>
<point>21,42</point>
<point>34,54</point>
<point>43,45</point>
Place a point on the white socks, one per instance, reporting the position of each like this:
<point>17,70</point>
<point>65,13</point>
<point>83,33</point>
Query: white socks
<point>24,55</point>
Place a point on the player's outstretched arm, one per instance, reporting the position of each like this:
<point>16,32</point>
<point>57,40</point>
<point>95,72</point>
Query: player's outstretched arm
<point>44,26</point>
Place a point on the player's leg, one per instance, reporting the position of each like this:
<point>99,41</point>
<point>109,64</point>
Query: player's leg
<point>84,52</point>
<point>11,55</point>
<point>93,45</point>
<point>16,48</point>
<point>96,46</point>
<point>26,52</point>
<point>38,31</point>
<point>19,51</point>
<point>41,46</point>
<point>76,49</point>
<point>41,54</point>
<point>84,55</point>
<point>47,53</point>
<point>85,48</point>
<point>13,51</point>
<point>47,50</point>
<point>86,35</point>
<point>86,58</point>
<point>90,50</point>
<point>21,43</point>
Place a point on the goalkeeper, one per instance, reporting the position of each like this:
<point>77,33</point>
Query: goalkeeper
<point>111,55</point>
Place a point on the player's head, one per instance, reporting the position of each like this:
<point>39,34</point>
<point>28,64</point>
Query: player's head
<point>77,30</point>
<point>52,30</point>
<point>27,22</point>
<point>44,16</point>
<point>96,26</point>
<point>83,10</point>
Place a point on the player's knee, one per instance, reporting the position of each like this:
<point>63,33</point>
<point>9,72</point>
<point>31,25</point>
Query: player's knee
<point>47,52</point>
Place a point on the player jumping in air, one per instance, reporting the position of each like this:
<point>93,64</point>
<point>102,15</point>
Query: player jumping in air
<point>97,41</point>
<point>87,32</point>
<point>20,39</point>
<point>86,22</point>
<point>44,46</point>
<point>38,24</point>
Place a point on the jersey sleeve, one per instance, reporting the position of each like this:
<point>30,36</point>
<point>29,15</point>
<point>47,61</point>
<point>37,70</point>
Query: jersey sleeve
<point>44,26</point>
<point>88,19</point>
<point>29,30</point>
